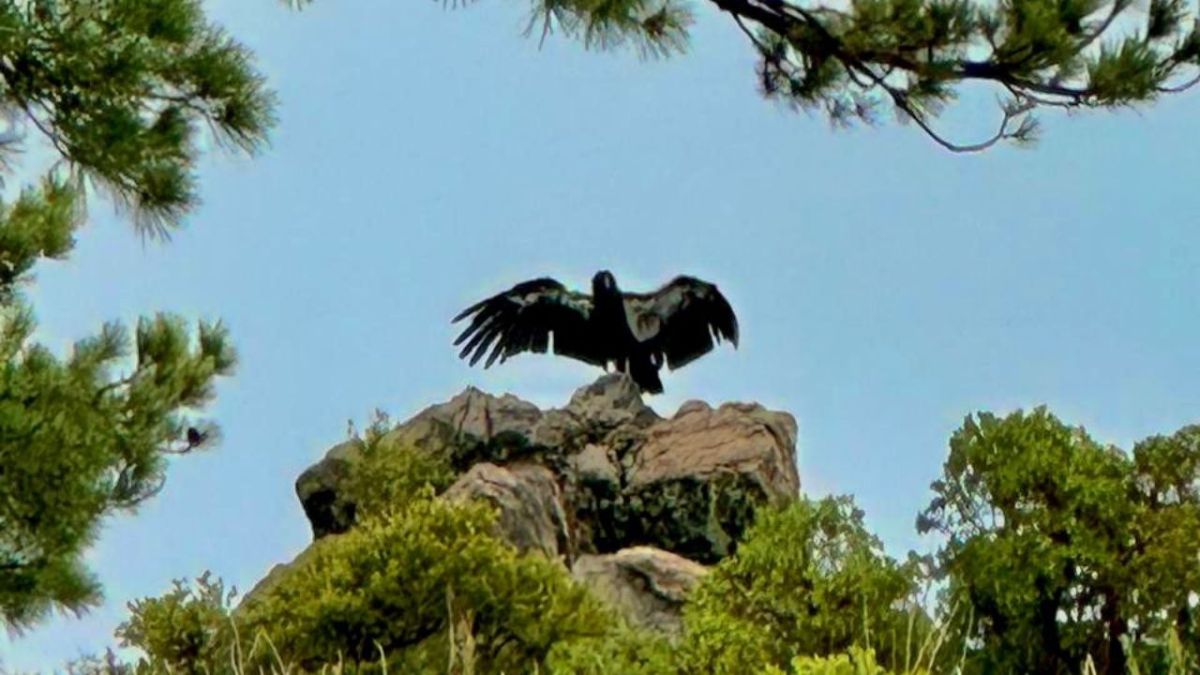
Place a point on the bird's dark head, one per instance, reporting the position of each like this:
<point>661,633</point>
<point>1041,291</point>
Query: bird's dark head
<point>604,282</point>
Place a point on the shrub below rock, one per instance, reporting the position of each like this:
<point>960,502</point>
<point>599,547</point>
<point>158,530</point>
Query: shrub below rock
<point>420,585</point>
<point>809,579</point>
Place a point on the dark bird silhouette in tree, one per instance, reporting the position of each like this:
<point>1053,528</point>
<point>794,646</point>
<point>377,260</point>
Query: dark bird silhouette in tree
<point>634,332</point>
<point>195,437</point>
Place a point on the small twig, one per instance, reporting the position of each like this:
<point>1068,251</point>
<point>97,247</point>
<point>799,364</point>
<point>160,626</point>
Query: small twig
<point>1118,6</point>
<point>750,34</point>
<point>1180,87</point>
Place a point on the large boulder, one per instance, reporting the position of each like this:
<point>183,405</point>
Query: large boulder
<point>609,403</point>
<point>688,484</point>
<point>694,483</point>
<point>528,500</point>
<point>612,404</point>
<point>648,586</point>
<point>737,438</point>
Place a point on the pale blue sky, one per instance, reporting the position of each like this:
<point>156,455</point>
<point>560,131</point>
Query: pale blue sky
<point>425,157</point>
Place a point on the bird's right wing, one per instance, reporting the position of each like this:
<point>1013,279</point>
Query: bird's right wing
<point>681,320</point>
<point>524,317</point>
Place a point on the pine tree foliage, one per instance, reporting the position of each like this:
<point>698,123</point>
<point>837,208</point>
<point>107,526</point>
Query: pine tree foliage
<point>121,90</point>
<point>80,439</point>
<point>855,59</point>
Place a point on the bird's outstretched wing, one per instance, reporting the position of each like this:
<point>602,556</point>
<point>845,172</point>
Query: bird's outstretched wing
<point>681,319</point>
<point>523,319</point>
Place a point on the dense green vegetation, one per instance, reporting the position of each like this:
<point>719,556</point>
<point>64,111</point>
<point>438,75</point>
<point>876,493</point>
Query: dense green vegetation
<point>1060,555</point>
<point>1067,549</point>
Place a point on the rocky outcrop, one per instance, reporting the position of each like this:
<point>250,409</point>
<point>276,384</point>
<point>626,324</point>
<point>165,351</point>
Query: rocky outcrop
<point>633,503</point>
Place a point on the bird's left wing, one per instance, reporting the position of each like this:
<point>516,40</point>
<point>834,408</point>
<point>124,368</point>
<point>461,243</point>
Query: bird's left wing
<point>681,319</point>
<point>524,317</point>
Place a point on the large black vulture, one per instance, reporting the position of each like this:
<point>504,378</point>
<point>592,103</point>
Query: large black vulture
<point>635,332</point>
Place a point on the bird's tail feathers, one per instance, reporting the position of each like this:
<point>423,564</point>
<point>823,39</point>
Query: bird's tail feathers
<point>645,375</point>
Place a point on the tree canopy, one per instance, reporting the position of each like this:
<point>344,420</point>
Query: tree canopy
<point>120,91</point>
<point>1066,549</point>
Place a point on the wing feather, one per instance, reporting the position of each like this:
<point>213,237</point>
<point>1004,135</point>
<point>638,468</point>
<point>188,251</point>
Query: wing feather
<point>524,318</point>
<point>681,320</point>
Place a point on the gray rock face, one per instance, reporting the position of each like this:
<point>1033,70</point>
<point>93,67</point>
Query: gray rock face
<point>528,500</point>
<point>611,402</point>
<point>646,585</point>
<point>594,465</point>
<point>471,427</point>
<point>694,483</point>
<point>635,504</point>
<point>483,416</point>
<point>737,438</point>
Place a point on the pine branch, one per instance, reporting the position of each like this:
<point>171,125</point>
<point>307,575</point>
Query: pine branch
<point>816,36</point>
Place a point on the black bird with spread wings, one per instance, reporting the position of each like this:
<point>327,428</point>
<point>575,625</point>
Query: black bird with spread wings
<point>635,332</point>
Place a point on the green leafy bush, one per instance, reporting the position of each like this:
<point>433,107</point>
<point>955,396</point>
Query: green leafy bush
<point>188,629</point>
<point>624,650</point>
<point>858,661</point>
<point>400,579</point>
<point>387,475</point>
<point>808,580</point>
<point>422,584</point>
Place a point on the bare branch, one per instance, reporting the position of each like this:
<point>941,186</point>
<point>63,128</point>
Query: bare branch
<point>900,99</point>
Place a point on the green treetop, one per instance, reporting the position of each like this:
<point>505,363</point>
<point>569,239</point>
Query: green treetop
<point>121,91</point>
<point>1068,550</point>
